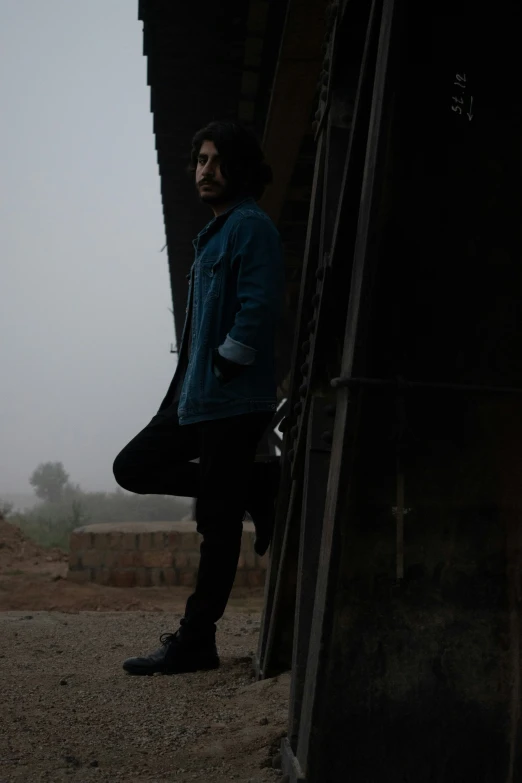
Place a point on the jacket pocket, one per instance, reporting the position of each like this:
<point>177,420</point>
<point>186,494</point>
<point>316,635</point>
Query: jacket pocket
<point>212,277</point>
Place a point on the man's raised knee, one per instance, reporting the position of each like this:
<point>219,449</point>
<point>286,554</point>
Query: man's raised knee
<point>121,473</point>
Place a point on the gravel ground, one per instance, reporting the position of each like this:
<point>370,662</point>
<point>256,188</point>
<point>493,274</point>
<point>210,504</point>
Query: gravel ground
<point>70,713</point>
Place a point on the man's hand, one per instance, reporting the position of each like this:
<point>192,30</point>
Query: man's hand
<point>223,368</point>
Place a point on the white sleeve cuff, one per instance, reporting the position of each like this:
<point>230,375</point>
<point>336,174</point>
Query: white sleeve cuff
<point>237,352</point>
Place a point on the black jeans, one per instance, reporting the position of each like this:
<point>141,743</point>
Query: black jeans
<point>157,462</point>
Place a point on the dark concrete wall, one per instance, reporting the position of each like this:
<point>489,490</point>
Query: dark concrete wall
<point>423,674</point>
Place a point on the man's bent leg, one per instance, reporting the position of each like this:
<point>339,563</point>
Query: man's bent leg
<point>227,451</point>
<point>157,460</point>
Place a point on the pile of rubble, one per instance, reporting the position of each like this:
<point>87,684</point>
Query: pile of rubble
<point>17,550</point>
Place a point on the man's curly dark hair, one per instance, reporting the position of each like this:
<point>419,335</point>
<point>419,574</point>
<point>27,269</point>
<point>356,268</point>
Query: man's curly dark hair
<point>243,164</point>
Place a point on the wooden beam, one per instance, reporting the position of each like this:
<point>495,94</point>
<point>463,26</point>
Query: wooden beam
<point>317,461</point>
<point>346,421</point>
<point>291,104</point>
<point>266,661</point>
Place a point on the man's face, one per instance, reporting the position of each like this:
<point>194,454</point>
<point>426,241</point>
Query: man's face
<point>210,183</point>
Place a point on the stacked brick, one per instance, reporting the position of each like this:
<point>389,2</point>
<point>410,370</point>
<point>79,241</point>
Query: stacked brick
<point>151,554</point>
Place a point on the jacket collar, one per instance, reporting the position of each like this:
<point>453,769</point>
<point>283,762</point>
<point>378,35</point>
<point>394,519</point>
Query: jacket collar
<point>218,220</point>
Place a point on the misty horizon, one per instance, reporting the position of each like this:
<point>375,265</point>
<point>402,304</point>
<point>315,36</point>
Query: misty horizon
<point>86,319</point>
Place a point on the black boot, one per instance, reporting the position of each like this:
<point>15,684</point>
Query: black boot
<point>262,505</point>
<point>183,651</point>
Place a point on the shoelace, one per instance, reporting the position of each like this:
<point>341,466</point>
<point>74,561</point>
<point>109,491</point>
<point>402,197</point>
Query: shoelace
<point>168,638</point>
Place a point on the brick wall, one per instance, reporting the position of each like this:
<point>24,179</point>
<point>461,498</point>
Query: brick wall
<point>151,554</point>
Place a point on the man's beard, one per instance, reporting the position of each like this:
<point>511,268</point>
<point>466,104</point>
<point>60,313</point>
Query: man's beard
<point>218,195</point>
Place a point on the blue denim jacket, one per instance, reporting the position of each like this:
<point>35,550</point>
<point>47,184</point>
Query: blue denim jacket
<point>235,299</point>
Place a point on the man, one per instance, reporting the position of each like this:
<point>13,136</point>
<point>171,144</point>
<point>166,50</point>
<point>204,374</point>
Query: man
<point>223,394</point>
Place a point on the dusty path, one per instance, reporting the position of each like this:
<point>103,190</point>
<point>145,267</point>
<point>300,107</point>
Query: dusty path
<point>70,713</point>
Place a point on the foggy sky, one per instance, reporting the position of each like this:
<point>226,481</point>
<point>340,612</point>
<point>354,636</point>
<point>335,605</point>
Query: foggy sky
<point>85,326</point>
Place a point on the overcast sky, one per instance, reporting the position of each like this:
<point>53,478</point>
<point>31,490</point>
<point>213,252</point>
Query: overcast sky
<point>85,326</point>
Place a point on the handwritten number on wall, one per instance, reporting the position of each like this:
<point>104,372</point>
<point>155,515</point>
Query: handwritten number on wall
<point>463,99</point>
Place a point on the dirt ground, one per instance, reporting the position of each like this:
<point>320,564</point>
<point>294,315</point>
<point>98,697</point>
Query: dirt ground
<point>69,711</point>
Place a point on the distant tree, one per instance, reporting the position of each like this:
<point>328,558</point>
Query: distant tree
<point>71,491</point>
<point>5,509</point>
<point>49,480</point>
<point>79,515</point>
